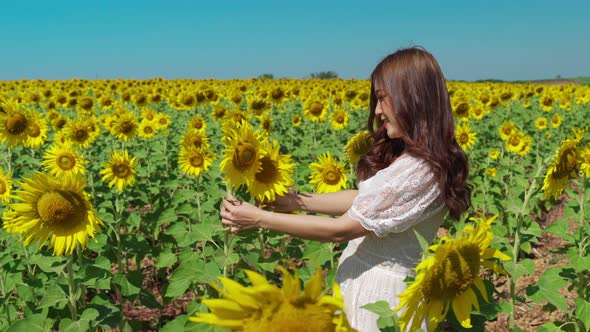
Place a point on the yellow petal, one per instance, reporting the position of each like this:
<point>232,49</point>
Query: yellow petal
<point>314,286</point>
<point>482,289</point>
<point>226,309</point>
<point>435,314</point>
<point>462,309</point>
<point>256,278</point>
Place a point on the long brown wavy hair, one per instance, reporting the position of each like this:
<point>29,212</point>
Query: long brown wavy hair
<point>413,80</point>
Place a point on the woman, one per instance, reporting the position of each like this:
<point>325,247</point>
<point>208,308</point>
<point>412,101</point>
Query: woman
<point>413,174</point>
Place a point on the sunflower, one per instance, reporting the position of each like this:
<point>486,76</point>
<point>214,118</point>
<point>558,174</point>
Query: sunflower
<point>55,209</point>
<point>339,119</point>
<point>315,109</point>
<point>80,132</point>
<point>148,114</point>
<point>494,154</point>
<point>62,160</point>
<point>583,161</point>
<point>556,120</point>
<point>506,129</point>
<point>266,307</point>
<point>275,174</point>
<point>461,108</point>
<point>5,186</point>
<point>120,170</point>
<point>541,123</point>
<point>163,121</point>
<point>358,146</point>
<point>126,126</point>
<point>146,129</point>
<point>464,136</point>
<point>546,102</point>
<point>515,142</point>
<point>242,154</point>
<point>37,131</point>
<point>296,120</point>
<point>219,110</point>
<point>562,167</point>
<point>265,124</point>
<point>194,138</point>
<point>193,161</point>
<point>447,277</point>
<point>327,174</point>
<point>491,172</point>
<point>15,123</point>
<point>197,122</point>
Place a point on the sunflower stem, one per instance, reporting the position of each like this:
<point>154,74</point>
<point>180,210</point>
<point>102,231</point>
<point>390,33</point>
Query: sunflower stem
<point>9,160</point>
<point>72,287</point>
<point>6,298</point>
<point>516,248</point>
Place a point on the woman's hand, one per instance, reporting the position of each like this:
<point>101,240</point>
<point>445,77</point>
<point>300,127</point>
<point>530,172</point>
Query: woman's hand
<point>239,215</point>
<point>288,203</point>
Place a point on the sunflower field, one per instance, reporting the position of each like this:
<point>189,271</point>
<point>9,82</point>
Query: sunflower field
<point>110,193</point>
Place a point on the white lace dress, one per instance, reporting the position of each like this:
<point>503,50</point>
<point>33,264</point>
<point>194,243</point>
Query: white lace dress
<point>397,200</point>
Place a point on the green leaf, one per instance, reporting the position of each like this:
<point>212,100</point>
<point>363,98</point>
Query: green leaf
<point>54,297</point>
<point>146,298</point>
<point>423,243</point>
<point>547,289</point>
<point>526,266</point>
<point>33,323</point>
<point>66,325</point>
<point>49,264</point>
<point>166,259</point>
<point>558,228</point>
<point>550,327</point>
<point>177,288</point>
<point>319,252</point>
<point>130,283</point>
<point>134,219</point>
<point>175,325</point>
<point>583,312</point>
<point>387,320</point>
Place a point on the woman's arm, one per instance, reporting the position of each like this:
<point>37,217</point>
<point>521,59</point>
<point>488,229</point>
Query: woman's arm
<point>334,204</point>
<point>242,215</point>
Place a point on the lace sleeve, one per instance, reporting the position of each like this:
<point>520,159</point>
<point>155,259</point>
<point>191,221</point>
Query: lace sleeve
<point>397,197</point>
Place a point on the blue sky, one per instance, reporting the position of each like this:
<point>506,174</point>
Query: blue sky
<point>240,39</point>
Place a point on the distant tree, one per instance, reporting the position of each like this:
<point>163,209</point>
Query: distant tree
<point>266,75</point>
<point>324,75</point>
<point>558,76</point>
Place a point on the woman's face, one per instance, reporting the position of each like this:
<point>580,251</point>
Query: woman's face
<point>384,111</point>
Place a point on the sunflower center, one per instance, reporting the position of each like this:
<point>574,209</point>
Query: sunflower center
<point>196,141</point>
<point>3,187</point>
<point>316,108</point>
<point>286,316</point>
<point>16,124</point>
<point>66,162</point>
<point>514,140</point>
<point>59,207</point>
<point>339,118</point>
<point>121,171</point>
<point>244,156</point>
<point>455,271</point>
<point>198,124</point>
<point>80,134</point>
<point>331,175</point>
<point>567,163</point>
<point>269,171</point>
<point>127,127</point>
<point>464,138</point>
<point>462,109</point>
<point>148,130</point>
<point>196,160</point>
<point>507,130</point>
